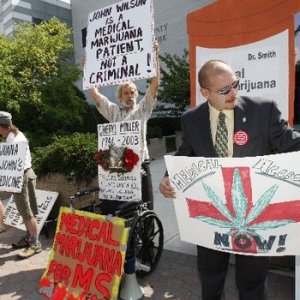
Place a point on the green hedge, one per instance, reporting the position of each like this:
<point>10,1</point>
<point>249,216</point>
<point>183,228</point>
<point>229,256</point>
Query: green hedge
<point>70,155</point>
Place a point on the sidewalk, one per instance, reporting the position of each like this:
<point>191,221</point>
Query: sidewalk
<point>176,276</point>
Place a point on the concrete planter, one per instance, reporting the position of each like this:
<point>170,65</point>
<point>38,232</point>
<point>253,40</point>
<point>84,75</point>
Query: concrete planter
<point>157,148</point>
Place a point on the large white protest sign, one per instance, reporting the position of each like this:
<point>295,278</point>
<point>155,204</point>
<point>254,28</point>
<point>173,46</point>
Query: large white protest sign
<point>120,44</point>
<point>240,205</point>
<point>45,202</point>
<point>270,56</point>
<point>119,160</point>
<point>12,160</point>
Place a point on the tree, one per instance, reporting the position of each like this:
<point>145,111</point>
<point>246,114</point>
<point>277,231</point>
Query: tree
<point>175,83</point>
<point>37,77</point>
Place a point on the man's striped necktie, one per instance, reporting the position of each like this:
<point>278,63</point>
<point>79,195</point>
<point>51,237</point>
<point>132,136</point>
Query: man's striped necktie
<point>221,144</point>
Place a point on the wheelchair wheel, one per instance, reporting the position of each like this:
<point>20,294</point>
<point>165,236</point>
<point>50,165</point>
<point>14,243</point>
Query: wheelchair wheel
<point>146,241</point>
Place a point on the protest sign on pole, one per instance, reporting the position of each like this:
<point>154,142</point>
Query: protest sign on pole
<point>12,160</point>
<point>119,160</point>
<point>240,205</point>
<point>45,201</point>
<point>120,44</point>
<point>87,258</point>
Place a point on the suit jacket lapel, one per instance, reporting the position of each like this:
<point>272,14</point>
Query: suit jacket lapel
<point>205,131</point>
<point>239,123</point>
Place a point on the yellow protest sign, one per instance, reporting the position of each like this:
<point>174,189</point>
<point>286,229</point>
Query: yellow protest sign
<point>87,257</point>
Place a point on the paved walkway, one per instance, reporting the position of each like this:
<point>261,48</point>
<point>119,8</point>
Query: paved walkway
<point>176,276</point>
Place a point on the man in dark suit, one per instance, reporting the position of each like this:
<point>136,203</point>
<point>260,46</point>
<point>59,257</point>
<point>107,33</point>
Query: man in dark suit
<point>253,126</point>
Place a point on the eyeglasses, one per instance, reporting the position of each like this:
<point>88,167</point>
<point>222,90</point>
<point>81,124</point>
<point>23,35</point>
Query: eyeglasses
<point>226,89</point>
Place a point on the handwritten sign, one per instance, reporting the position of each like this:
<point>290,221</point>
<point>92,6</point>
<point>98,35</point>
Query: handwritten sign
<point>45,202</point>
<point>87,258</point>
<point>12,159</point>
<point>119,160</point>
<point>240,205</point>
<point>120,44</point>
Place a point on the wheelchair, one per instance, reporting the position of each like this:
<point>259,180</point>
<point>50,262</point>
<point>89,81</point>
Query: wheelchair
<point>146,237</point>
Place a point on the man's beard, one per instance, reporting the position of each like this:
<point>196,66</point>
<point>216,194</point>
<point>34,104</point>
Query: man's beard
<point>128,104</point>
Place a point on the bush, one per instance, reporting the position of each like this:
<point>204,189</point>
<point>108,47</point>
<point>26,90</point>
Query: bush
<point>71,156</point>
<point>41,138</point>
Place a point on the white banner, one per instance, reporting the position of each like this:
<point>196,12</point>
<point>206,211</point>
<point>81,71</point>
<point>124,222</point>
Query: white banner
<point>119,160</point>
<point>263,68</point>
<point>12,160</point>
<point>245,205</point>
<point>45,202</point>
<point>120,44</point>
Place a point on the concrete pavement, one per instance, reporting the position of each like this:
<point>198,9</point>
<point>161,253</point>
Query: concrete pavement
<point>176,276</point>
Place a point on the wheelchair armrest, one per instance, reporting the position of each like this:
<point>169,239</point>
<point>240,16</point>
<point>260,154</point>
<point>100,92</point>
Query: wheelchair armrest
<point>86,192</point>
<point>127,208</point>
<point>128,205</point>
<point>82,193</point>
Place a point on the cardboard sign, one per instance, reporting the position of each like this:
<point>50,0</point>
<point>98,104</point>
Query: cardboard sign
<point>119,160</point>
<point>12,159</point>
<point>120,44</point>
<point>45,202</point>
<point>240,205</point>
<point>87,258</point>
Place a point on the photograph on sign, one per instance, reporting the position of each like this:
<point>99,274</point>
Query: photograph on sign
<point>12,161</point>
<point>240,205</point>
<point>119,44</point>
<point>119,160</point>
<point>87,257</point>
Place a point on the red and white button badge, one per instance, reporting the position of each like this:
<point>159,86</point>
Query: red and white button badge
<point>240,138</point>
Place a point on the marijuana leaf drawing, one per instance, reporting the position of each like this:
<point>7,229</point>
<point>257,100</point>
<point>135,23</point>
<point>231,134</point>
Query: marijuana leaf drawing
<point>241,223</point>
<point>239,215</point>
